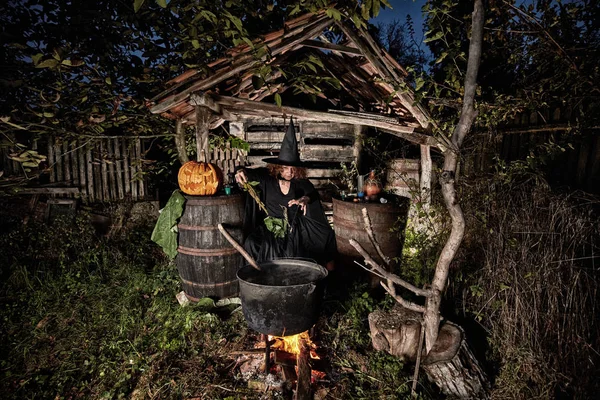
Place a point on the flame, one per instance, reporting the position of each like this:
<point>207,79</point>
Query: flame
<point>291,344</point>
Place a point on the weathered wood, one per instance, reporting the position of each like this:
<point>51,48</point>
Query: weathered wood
<point>327,152</point>
<point>58,164</point>
<point>104,171</point>
<point>49,190</point>
<point>450,364</point>
<point>82,171</point>
<point>51,160</point>
<point>200,98</point>
<point>202,148</point>
<point>248,107</point>
<point>327,129</point>
<point>67,161</point>
<point>140,169</point>
<point>90,172</point>
<point>461,376</point>
<point>180,142</point>
<point>119,163</point>
<point>303,388</point>
<point>133,168</point>
<point>97,168</point>
<point>112,177</point>
<point>426,173</point>
<point>317,44</point>
<point>379,63</point>
<point>126,168</point>
<point>75,162</point>
<point>358,145</point>
<point>207,262</point>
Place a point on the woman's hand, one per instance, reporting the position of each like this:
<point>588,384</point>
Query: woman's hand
<point>301,202</point>
<point>240,177</point>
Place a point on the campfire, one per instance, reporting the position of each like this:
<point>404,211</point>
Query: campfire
<point>284,363</point>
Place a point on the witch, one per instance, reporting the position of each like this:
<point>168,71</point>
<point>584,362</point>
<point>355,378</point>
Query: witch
<point>294,224</point>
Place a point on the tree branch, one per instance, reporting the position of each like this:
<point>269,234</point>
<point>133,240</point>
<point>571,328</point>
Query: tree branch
<point>431,317</point>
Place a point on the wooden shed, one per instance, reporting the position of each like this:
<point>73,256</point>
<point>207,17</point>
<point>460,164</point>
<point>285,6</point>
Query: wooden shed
<point>372,94</point>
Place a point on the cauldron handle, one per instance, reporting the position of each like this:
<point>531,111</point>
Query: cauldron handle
<point>237,246</point>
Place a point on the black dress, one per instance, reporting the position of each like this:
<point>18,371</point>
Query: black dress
<point>310,235</point>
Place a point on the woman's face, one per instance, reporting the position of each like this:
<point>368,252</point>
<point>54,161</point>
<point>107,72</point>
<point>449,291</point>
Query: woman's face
<point>287,173</point>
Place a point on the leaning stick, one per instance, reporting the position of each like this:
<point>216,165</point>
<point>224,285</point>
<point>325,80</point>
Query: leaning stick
<point>371,235</point>
<point>237,246</point>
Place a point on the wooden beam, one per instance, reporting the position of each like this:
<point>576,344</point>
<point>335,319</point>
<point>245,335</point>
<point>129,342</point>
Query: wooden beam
<point>246,62</point>
<point>248,107</point>
<point>180,142</point>
<point>201,98</point>
<point>378,63</point>
<point>317,44</point>
<point>202,127</point>
<point>49,190</point>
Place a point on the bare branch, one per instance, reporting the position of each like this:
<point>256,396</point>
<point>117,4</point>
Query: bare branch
<point>385,274</point>
<point>369,230</point>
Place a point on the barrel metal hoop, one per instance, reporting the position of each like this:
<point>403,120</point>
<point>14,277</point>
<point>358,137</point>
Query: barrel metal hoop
<point>346,223</point>
<point>206,252</point>
<point>211,201</point>
<point>208,285</point>
<point>196,228</point>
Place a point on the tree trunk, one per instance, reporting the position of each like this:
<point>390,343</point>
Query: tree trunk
<point>450,364</point>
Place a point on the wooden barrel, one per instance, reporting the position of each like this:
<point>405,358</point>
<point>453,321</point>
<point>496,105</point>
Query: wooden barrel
<point>207,262</point>
<point>387,220</point>
<point>402,176</point>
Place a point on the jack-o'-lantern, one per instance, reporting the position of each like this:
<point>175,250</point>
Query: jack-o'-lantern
<point>199,178</point>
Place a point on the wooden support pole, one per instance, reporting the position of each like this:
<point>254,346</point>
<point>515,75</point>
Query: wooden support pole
<point>202,127</point>
<point>425,179</point>
<point>358,145</point>
<point>180,142</point>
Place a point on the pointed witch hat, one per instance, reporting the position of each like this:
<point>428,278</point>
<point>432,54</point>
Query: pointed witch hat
<point>288,154</point>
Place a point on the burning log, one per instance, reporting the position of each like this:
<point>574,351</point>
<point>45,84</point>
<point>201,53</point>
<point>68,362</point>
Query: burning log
<point>303,389</point>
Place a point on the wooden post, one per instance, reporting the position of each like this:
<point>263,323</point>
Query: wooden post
<point>426,171</point>
<point>358,137</point>
<point>180,142</point>
<point>202,126</point>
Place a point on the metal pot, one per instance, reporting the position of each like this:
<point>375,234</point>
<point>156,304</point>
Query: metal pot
<point>284,297</point>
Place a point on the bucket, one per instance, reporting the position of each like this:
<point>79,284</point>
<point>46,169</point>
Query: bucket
<point>206,261</point>
<point>284,297</point>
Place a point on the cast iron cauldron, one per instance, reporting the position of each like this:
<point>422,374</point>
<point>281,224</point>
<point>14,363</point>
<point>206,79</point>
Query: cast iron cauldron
<point>283,298</point>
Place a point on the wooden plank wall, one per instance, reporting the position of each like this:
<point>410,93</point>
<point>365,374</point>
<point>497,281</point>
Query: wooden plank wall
<point>103,169</point>
<point>324,144</point>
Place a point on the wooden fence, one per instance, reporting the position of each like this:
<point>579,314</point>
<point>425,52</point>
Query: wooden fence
<point>577,167</point>
<point>95,169</point>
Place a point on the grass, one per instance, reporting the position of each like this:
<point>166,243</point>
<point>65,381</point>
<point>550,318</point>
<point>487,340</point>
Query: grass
<point>89,317</point>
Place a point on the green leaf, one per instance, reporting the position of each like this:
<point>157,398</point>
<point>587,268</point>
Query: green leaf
<point>441,57</point>
<point>195,43</point>
<point>108,80</point>
<point>257,82</point>
<point>278,99</point>
<point>162,3</point>
<point>163,233</point>
<point>419,82</point>
<point>49,63</point>
<point>137,4</point>
<point>437,36</point>
<point>36,58</point>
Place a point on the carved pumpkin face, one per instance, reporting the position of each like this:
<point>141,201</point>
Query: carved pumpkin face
<point>198,178</point>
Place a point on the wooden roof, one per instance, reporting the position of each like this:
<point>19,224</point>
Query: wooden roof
<point>368,76</point>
